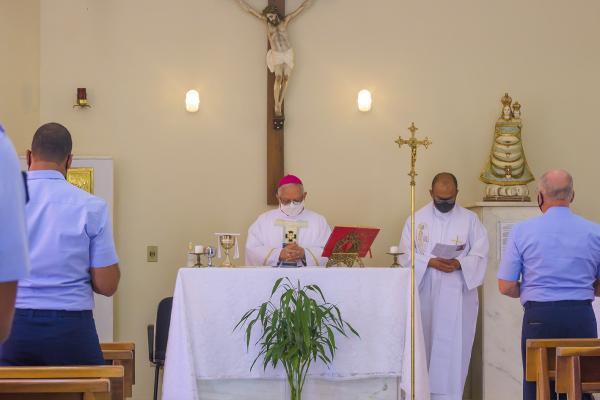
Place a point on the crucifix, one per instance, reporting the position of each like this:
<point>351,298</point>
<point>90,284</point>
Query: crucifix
<point>412,143</point>
<point>280,63</point>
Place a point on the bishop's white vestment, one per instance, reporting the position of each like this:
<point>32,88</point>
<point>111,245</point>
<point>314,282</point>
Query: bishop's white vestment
<point>449,301</point>
<point>273,230</point>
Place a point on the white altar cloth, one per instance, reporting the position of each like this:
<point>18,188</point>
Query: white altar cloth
<point>209,302</point>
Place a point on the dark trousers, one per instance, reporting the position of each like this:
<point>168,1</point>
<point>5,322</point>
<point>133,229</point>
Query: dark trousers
<point>555,320</point>
<point>52,337</point>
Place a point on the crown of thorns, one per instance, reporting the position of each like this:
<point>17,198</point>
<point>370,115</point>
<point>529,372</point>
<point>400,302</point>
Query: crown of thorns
<point>271,9</point>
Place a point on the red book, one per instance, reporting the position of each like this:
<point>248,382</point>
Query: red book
<point>350,239</point>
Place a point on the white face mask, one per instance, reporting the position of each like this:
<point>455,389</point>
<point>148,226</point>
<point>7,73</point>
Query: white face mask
<point>293,209</point>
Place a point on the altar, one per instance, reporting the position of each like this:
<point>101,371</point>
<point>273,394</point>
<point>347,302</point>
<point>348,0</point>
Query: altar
<point>207,358</point>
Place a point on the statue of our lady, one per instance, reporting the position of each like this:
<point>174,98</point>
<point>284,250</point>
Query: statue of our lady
<point>506,172</point>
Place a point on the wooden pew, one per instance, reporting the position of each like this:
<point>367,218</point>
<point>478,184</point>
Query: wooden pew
<point>114,374</point>
<point>122,353</point>
<point>577,371</point>
<point>55,389</point>
<point>540,361</point>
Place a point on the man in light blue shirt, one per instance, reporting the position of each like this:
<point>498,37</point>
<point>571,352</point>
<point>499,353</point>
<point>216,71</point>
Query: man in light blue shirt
<point>72,255</point>
<point>14,259</point>
<point>557,258</point>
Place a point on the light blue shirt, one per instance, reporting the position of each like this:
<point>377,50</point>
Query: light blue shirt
<point>69,233</point>
<point>14,259</point>
<point>556,255</point>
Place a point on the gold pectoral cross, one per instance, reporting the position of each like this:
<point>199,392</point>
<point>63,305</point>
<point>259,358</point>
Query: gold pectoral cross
<point>457,240</point>
<point>290,229</point>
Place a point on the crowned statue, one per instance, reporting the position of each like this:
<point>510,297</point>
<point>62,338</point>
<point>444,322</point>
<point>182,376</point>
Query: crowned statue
<point>506,172</point>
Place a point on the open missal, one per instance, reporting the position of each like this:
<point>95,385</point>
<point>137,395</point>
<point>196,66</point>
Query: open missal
<point>350,239</point>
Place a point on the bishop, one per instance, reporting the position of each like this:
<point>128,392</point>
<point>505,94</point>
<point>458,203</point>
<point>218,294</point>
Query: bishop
<point>290,236</point>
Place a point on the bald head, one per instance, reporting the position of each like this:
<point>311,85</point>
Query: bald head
<point>444,179</point>
<point>557,184</point>
<point>555,189</point>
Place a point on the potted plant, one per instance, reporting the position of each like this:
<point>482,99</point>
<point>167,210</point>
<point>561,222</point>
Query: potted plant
<point>296,331</point>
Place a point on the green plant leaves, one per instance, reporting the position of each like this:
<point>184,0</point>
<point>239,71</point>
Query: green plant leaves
<point>276,286</point>
<point>299,330</point>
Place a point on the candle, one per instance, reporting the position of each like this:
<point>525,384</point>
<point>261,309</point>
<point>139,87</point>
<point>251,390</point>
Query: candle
<point>81,96</point>
<point>394,249</point>
<point>198,249</point>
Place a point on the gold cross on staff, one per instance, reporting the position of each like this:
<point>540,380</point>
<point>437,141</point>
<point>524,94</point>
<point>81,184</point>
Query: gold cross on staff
<point>412,142</point>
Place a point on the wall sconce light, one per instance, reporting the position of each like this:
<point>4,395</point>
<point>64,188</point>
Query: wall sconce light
<point>192,101</point>
<point>81,98</point>
<point>364,100</point>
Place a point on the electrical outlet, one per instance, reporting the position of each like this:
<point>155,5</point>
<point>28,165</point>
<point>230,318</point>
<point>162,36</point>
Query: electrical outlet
<point>152,254</point>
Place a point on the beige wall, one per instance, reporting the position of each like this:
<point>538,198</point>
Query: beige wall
<point>180,177</point>
<point>19,68</point>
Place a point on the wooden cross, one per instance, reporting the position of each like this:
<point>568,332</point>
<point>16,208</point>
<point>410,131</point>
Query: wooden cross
<point>413,143</point>
<point>280,60</point>
<point>275,159</point>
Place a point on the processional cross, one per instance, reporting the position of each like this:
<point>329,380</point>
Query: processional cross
<point>412,143</point>
<point>280,63</point>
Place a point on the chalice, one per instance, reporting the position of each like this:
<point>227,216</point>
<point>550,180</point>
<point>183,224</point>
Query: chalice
<point>227,243</point>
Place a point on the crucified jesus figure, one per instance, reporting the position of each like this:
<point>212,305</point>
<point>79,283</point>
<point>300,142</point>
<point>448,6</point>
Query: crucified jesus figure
<point>280,57</point>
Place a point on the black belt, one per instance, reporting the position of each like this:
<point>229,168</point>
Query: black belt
<point>535,304</point>
<point>30,312</point>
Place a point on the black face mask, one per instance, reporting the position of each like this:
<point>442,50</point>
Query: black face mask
<point>444,206</point>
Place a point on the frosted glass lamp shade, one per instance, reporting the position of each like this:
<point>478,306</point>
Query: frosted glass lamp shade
<point>192,101</point>
<point>364,100</point>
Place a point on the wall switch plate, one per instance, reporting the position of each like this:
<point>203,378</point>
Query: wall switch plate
<point>152,253</point>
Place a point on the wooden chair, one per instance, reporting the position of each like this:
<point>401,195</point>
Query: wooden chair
<point>55,389</point>
<point>577,371</point>
<point>122,353</point>
<point>41,377</point>
<point>540,361</point>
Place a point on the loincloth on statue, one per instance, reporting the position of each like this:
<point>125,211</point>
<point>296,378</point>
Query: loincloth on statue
<point>275,58</point>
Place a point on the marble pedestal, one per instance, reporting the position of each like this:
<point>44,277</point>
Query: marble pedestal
<point>496,370</point>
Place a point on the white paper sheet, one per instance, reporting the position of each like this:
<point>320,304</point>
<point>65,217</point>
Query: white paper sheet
<point>447,251</point>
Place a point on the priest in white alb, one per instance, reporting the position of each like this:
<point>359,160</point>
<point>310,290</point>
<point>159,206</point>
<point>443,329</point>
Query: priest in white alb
<point>289,236</point>
<point>447,285</point>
